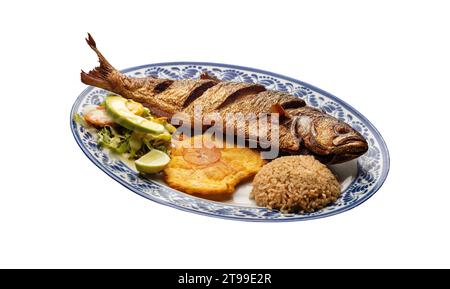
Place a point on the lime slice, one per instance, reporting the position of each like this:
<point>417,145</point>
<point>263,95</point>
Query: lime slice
<point>121,113</point>
<point>152,162</point>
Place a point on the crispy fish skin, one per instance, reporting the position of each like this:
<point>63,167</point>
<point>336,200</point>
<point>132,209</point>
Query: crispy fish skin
<point>261,103</point>
<point>302,129</point>
<point>222,93</point>
<point>181,93</point>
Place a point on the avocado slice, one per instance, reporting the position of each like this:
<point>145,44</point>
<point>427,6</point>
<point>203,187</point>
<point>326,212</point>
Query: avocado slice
<point>117,108</point>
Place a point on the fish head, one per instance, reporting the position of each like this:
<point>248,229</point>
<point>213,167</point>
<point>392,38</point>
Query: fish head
<point>328,138</point>
<point>331,136</point>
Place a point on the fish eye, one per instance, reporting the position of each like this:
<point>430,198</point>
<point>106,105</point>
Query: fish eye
<point>342,129</point>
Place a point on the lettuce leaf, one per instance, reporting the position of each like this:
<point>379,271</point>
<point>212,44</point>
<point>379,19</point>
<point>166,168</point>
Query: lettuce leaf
<point>122,140</point>
<point>80,120</point>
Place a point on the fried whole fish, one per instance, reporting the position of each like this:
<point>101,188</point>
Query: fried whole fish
<point>301,129</point>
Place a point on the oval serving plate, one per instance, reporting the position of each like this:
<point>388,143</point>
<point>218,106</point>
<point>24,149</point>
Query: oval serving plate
<point>359,179</point>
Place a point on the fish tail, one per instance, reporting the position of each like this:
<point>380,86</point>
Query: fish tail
<point>99,76</point>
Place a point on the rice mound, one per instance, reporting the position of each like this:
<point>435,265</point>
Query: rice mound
<point>295,184</point>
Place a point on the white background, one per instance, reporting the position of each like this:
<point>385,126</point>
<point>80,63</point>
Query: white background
<point>389,59</point>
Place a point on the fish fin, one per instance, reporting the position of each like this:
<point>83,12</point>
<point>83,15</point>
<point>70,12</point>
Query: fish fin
<point>206,75</point>
<point>99,75</point>
<point>277,108</point>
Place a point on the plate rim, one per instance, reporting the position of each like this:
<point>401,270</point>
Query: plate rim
<point>377,135</point>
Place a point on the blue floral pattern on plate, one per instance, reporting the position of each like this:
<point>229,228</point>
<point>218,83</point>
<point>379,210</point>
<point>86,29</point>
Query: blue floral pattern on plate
<point>373,166</point>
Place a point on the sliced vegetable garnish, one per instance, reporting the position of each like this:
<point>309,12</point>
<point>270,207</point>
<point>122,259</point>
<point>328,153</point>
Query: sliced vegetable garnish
<point>109,137</point>
<point>126,127</point>
<point>98,117</point>
<point>135,107</point>
<point>117,107</point>
<point>122,140</point>
<point>202,156</point>
<point>152,162</point>
<point>80,120</point>
<point>170,128</point>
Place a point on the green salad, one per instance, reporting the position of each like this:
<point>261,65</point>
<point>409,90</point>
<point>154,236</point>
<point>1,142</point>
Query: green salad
<point>127,128</point>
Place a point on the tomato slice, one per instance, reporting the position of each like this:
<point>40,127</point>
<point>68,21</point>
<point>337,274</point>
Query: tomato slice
<point>98,117</point>
<point>205,155</point>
